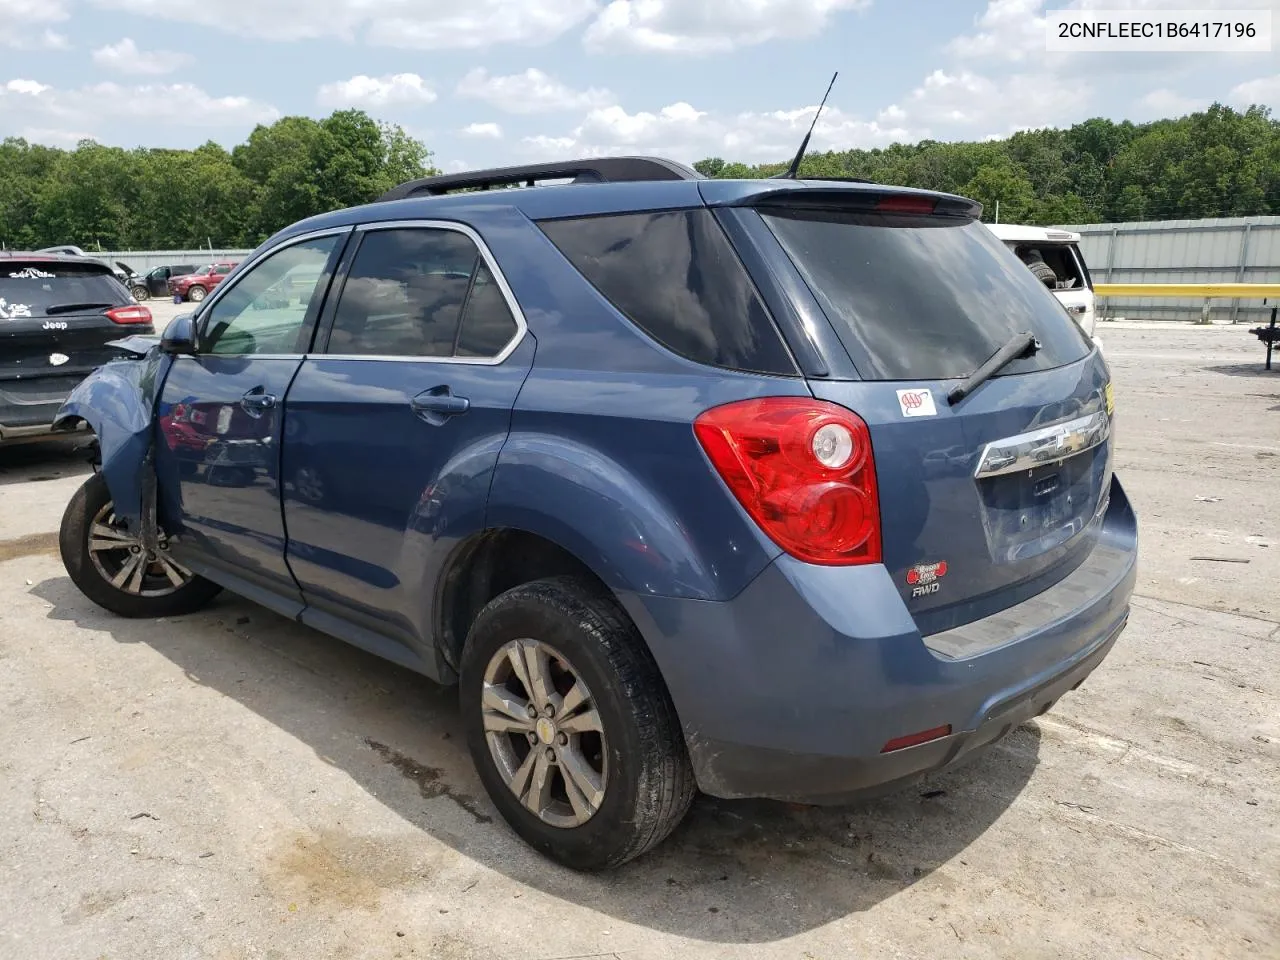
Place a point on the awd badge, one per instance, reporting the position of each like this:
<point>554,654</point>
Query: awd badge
<point>923,578</point>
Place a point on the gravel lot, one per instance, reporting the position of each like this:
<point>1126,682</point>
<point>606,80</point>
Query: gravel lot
<point>232,785</point>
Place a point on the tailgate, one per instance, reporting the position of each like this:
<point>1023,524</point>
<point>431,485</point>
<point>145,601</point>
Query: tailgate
<point>66,345</point>
<point>983,506</point>
<point>988,501</point>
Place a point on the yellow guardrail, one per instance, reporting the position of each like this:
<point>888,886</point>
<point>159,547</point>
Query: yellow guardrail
<point>1242,291</point>
<point>1208,291</point>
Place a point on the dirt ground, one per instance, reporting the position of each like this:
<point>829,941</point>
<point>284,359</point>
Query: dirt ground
<point>232,785</point>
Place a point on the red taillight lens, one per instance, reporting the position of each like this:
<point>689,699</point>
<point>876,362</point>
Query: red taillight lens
<point>906,203</point>
<point>129,315</point>
<point>804,471</point>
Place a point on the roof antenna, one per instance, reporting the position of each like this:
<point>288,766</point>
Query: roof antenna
<point>794,169</point>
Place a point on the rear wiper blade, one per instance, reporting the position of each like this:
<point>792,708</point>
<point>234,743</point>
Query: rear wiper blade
<point>1020,346</point>
<point>73,307</point>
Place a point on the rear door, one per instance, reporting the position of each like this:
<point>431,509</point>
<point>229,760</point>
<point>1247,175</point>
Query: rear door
<point>54,331</point>
<point>986,502</point>
<point>221,420</point>
<point>394,424</point>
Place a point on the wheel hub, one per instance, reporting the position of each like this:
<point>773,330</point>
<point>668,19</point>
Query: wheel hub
<point>546,731</point>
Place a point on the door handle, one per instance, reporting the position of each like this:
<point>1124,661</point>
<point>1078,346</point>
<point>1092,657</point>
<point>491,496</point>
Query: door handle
<point>256,403</point>
<point>1078,308</point>
<point>438,404</point>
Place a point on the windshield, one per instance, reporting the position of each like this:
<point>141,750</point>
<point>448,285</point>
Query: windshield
<point>31,289</point>
<point>923,298</point>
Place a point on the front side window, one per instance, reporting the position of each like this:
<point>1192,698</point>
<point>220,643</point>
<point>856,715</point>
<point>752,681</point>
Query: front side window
<point>264,311</point>
<point>420,292</point>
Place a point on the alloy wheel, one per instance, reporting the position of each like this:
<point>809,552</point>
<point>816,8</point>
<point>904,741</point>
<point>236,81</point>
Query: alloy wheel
<point>544,733</point>
<point>122,561</point>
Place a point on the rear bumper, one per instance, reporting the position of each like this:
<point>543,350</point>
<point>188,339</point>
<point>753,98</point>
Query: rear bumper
<point>28,414</point>
<point>792,689</point>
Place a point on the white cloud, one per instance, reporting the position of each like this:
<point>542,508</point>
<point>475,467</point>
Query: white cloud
<point>415,24</point>
<point>1007,29</point>
<point>1264,90</point>
<point>45,40</point>
<point>683,132</point>
<point>125,57</point>
<point>488,130</point>
<point>530,92</point>
<point>30,88</point>
<point>362,91</point>
<point>1163,103</point>
<point>968,104</point>
<point>51,114</point>
<point>33,11</point>
<point>709,26</point>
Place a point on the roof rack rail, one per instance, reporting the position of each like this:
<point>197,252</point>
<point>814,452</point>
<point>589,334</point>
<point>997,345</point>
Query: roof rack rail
<point>597,170</point>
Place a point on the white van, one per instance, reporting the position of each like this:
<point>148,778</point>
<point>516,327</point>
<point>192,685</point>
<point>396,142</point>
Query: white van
<point>1060,249</point>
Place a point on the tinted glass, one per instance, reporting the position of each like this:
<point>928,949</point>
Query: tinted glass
<point>269,309</point>
<point>487,323</point>
<point>918,298</point>
<point>403,295</point>
<point>30,289</point>
<point>677,278</point>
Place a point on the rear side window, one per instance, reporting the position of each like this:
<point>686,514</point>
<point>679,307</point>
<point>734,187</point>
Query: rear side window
<point>923,298</point>
<point>421,292</point>
<point>675,276</point>
<point>47,289</point>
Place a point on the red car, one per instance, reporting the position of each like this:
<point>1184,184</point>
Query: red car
<point>196,286</point>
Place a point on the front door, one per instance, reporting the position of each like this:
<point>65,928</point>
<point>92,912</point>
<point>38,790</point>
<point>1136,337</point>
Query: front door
<point>394,425</point>
<point>221,415</point>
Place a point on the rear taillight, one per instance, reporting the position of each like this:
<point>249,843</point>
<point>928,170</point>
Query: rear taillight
<point>906,203</point>
<point>133,314</point>
<point>804,471</point>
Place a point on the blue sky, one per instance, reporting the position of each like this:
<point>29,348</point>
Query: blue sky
<point>486,82</point>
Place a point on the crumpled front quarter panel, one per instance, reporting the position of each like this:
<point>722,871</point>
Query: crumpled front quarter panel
<point>118,402</point>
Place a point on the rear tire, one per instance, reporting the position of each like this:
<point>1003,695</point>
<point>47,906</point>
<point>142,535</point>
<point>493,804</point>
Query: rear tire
<point>616,773</point>
<point>96,551</point>
<point>196,294</point>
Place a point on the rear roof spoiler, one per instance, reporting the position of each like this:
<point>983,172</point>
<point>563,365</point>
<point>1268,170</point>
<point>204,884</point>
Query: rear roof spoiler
<point>597,170</point>
<point>857,197</point>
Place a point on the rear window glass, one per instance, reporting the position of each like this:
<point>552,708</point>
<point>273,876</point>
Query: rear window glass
<point>676,277</point>
<point>918,298</point>
<point>33,289</point>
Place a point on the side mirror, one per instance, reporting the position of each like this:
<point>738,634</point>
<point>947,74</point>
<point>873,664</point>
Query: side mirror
<point>180,336</point>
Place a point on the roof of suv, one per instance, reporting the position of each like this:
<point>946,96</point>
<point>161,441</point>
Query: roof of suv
<point>580,199</point>
<point>1018,233</point>
<point>10,256</point>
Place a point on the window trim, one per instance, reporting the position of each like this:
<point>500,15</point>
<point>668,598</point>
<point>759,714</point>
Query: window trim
<point>522,326</point>
<point>223,288</point>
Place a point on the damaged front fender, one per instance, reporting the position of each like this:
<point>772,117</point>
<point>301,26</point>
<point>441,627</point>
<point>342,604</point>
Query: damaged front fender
<point>118,402</point>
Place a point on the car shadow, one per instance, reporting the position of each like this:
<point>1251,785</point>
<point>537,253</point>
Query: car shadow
<point>35,460</point>
<point>733,873</point>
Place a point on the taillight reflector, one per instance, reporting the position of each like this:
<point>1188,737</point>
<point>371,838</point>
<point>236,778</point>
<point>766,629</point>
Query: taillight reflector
<point>132,314</point>
<point>803,470</point>
<point>906,203</point>
<point>915,739</point>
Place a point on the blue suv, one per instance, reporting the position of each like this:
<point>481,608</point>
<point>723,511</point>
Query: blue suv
<point>778,488</point>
